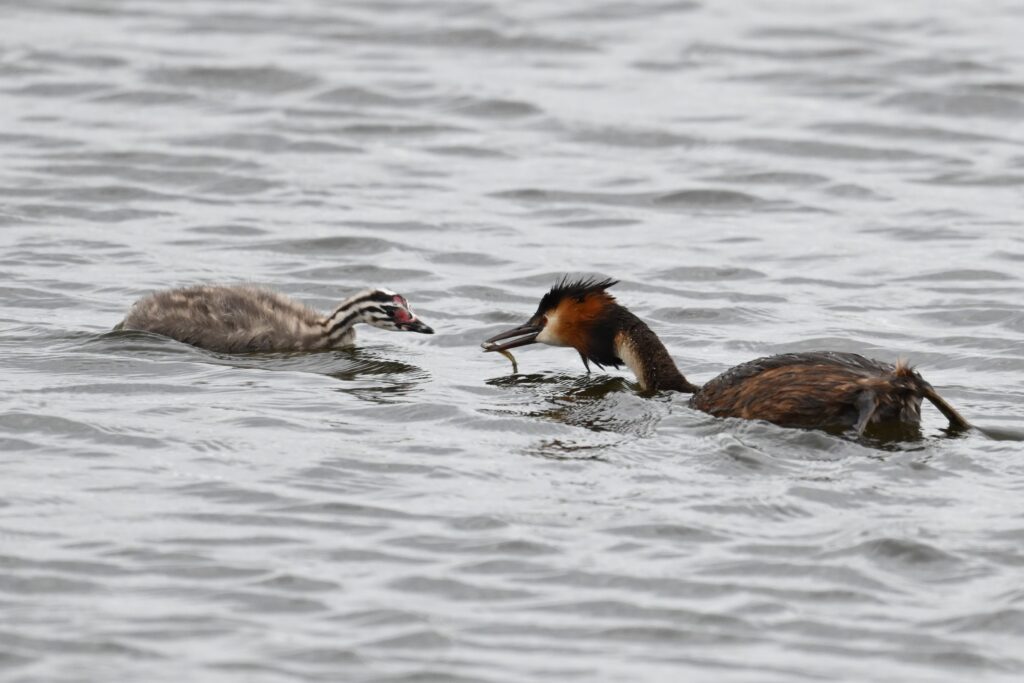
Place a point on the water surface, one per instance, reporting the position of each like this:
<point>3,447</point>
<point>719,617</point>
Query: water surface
<point>761,177</point>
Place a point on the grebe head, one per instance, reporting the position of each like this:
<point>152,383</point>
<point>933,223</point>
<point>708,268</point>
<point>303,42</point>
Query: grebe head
<point>577,313</point>
<point>392,312</point>
<point>381,308</point>
<point>582,314</point>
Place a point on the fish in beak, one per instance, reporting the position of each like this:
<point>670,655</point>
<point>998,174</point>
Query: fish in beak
<point>517,336</point>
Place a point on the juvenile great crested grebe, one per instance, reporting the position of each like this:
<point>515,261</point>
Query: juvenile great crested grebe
<point>239,319</point>
<point>823,389</point>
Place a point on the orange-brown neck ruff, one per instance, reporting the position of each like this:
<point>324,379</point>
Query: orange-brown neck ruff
<point>577,322</point>
<point>583,315</point>
<point>606,333</point>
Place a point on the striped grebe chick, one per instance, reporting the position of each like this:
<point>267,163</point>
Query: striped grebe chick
<point>823,389</point>
<point>239,318</point>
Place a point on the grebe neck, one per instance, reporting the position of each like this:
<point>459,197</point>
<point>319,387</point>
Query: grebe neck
<point>641,350</point>
<point>337,327</point>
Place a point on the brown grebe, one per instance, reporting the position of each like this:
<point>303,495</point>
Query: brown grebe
<point>239,319</point>
<point>823,389</point>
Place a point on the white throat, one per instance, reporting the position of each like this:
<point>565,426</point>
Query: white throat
<point>624,350</point>
<point>547,335</point>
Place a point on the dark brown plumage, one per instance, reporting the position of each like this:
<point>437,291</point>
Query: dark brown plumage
<point>821,389</point>
<point>824,389</point>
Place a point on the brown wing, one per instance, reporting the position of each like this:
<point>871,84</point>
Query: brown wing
<point>800,389</point>
<point>851,361</point>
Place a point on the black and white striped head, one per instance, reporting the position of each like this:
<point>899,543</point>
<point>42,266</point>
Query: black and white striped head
<point>378,307</point>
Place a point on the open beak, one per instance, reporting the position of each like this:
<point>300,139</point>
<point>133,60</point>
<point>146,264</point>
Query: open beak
<point>417,325</point>
<point>517,336</point>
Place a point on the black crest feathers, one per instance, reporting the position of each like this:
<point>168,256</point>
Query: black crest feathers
<point>578,289</point>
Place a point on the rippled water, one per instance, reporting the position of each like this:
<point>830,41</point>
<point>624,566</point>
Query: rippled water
<point>762,177</point>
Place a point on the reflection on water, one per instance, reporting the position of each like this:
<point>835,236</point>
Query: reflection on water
<point>391,378</point>
<point>596,403</point>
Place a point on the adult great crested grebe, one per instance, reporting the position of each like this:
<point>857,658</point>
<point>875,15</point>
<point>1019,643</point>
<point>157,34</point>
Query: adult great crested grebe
<point>239,319</point>
<point>824,389</point>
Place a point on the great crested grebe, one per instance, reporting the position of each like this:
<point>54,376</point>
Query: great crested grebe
<point>824,389</point>
<point>239,319</point>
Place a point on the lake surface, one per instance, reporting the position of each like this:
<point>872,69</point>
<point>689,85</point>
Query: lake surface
<point>761,177</point>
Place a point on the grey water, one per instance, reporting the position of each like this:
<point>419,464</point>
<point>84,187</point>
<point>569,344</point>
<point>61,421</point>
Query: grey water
<point>761,176</point>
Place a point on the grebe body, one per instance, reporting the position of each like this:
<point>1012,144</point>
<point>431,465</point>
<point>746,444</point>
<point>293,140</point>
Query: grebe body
<point>240,319</point>
<point>825,389</point>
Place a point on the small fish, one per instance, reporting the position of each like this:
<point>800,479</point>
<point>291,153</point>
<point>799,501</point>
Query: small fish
<point>508,354</point>
<point>489,346</point>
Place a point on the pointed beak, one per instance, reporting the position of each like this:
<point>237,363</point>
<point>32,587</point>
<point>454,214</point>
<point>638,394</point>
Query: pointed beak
<point>517,336</point>
<point>417,325</point>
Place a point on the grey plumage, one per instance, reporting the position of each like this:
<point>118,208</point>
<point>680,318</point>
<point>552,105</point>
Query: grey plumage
<point>238,319</point>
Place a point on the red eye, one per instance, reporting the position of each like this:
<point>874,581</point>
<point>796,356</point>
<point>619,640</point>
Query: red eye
<point>543,320</point>
<point>402,316</point>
